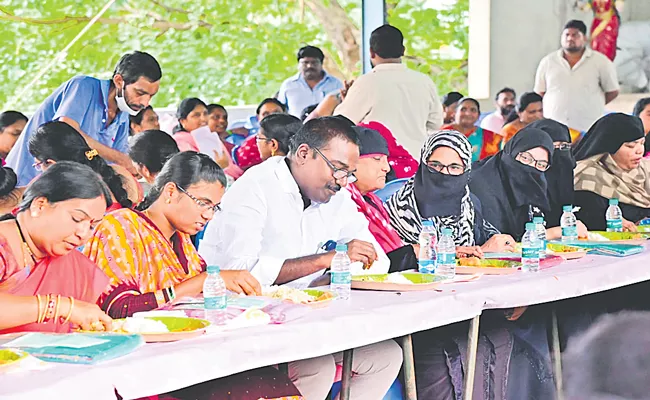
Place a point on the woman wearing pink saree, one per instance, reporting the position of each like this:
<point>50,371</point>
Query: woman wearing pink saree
<point>45,283</point>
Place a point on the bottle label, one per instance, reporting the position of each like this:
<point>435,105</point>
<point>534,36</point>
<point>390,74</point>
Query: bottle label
<point>530,252</point>
<point>426,266</point>
<point>341,278</point>
<point>614,225</point>
<point>216,303</point>
<point>446,258</point>
<point>570,231</point>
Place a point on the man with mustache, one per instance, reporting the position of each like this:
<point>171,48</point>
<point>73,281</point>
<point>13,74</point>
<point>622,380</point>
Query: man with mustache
<point>575,81</point>
<point>279,220</point>
<point>310,85</point>
<point>98,109</point>
<point>505,101</point>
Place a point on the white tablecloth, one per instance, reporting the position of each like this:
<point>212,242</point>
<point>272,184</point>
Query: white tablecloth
<point>368,318</point>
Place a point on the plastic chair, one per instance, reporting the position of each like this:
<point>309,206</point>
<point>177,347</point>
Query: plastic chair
<point>199,236</point>
<point>394,393</point>
<point>390,188</point>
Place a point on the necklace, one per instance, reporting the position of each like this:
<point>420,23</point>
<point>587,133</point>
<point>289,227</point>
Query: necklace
<point>26,249</point>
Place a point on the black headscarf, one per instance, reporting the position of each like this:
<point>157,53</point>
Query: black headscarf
<point>509,190</point>
<point>559,177</point>
<point>608,134</point>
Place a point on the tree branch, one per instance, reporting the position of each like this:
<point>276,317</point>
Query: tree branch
<point>168,8</point>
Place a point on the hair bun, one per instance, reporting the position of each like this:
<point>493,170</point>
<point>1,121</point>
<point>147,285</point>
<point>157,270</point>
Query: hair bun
<point>8,181</point>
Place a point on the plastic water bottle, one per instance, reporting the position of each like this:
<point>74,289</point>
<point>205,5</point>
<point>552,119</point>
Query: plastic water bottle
<point>569,224</point>
<point>446,267</point>
<point>428,241</point>
<point>540,230</point>
<point>530,249</point>
<point>215,296</point>
<point>614,217</point>
<point>341,281</point>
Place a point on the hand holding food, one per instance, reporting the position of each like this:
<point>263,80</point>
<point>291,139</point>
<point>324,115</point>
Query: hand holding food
<point>629,226</point>
<point>499,243</point>
<point>469,251</point>
<point>358,250</point>
<point>583,232</point>
<point>87,316</point>
<point>241,281</point>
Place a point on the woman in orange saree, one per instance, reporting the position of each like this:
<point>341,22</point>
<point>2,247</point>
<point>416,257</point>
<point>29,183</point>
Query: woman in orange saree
<point>45,283</point>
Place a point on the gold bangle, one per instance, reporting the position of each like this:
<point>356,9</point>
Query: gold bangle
<point>38,302</point>
<point>67,317</point>
<point>56,311</point>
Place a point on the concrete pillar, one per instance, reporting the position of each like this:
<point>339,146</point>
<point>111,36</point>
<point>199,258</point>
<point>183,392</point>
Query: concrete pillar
<point>373,15</point>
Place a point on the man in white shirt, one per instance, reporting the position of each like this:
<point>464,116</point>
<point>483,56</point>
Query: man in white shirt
<point>505,101</point>
<point>276,220</point>
<point>575,81</point>
<point>404,100</point>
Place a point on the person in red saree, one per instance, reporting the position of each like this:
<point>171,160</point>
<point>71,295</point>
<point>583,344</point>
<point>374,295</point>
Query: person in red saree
<point>45,283</point>
<point>484,143</point>
<point>401,161</point>
<point>57,141</point>
<point>604,28</point>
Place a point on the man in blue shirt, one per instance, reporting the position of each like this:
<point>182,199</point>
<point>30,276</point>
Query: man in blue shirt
<point>310,85</point>
<point>98,109</point>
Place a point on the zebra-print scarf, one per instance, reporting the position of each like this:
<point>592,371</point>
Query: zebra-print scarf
<point>402,206</point>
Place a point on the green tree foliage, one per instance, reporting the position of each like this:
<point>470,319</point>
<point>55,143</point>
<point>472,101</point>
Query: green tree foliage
<point>233,52</point>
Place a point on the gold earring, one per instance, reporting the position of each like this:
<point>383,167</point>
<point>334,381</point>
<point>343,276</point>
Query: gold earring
<point>169,201</point>
<point>272,152</point>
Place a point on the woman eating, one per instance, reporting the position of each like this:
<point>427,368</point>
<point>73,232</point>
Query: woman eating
<point>57,141</point>
<point>45,283</point>
<point>148,254</point>
<point>439,192</point>
<point>274,134</point>
<point>529,110</point>
<point>559,176</point>
<point>149,151</point>
<point>611,165</point>
<point>484,142</point>
<point>511,185</point>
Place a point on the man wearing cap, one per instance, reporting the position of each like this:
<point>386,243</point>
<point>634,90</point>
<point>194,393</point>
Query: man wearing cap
<point>310,85</point>
<point>575,81</point>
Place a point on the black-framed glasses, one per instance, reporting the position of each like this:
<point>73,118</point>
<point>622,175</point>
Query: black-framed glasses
<point>562,146</point>
<point>337,173</point>
<point>202,204</point>
<point>452,169</point>
<point>527,159</point>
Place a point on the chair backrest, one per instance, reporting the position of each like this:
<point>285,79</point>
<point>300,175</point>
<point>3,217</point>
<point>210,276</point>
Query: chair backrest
<point>390,188</point>
<point>199,236</point>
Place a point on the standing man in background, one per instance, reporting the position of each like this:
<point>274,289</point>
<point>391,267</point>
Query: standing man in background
<point>505,101</point>
<point>98,109</point>
<point>404,100</point>
<point>310,85</point>
<point>575,81</point>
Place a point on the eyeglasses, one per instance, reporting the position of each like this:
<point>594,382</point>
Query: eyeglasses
<point>338,174</point>
<point>562,146</point>
<point>527,159</point>
<point>202,204</point>
<point>452,169</point>
<point>261,138</point>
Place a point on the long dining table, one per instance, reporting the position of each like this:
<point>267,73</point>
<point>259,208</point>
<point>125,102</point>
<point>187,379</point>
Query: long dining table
<point>368,317</point>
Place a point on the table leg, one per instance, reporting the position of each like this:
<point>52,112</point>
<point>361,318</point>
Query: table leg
<point>557,355</point>
<point>409,368</point>
<point>284,368</point>
<point>346,375</point>
<point>472,348</point>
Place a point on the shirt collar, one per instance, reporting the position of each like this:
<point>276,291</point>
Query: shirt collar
<point>588,53</point>
<point>287,181</point>
<point>389,67</point>
<point>298,77</point>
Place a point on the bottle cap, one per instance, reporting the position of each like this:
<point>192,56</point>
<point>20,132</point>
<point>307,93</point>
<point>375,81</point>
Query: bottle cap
<point>613,202</point>
<point>447,231</point>
<point>530,226</point>
<point>213,269</point>
<point>567,208</point>
<point>538,220</point>
<point>343,248</point>
<point>427,222</point>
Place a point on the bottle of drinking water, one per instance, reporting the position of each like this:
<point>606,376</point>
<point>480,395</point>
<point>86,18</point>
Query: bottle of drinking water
<point>428,241</point>
<point>446,267</point>
<point>530,249</point>
<point>569,224</point>
<point>540,230</point>
<point>614,217</point>
<point>341,281</point>
<point>215,296</point>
